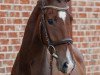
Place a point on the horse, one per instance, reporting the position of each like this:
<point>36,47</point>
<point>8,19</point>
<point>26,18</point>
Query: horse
<point>47,47</point>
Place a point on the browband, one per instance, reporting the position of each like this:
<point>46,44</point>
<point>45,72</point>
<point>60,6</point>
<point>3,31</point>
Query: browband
<point>55,7</point>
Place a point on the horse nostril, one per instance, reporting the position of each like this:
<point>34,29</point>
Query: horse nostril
<point>65,65</point>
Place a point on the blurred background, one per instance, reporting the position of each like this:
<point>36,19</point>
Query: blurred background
<point>14,15</point>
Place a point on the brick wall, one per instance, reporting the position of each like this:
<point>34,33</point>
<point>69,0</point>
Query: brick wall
<point>86,31</point>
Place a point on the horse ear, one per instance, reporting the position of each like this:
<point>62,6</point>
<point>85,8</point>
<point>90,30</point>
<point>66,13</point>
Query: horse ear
<point>49,0</point>
<point>67,0</point>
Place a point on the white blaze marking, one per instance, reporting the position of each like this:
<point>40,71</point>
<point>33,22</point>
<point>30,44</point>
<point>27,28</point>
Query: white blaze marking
<point>70,65</point>
<point>62,14</point>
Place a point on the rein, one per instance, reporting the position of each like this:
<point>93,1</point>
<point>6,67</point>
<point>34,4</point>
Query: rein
<point>51,44</point>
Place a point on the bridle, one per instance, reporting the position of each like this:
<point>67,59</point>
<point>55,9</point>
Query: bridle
<point>51,44</point>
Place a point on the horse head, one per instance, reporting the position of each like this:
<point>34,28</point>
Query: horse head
<point>56,32</point>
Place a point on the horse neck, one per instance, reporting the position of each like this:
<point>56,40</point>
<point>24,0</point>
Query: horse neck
<point>41,62</point>
<point>39,55</point>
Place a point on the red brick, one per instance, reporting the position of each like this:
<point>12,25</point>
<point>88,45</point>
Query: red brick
<point>3,14</point>
<point>89,69</point>
<point>84,51</point>
<point>2,21</point>
<point>10,48</point>
<point>24,1</point>
<point>0,63</point>
<point>4,41</point>
<point>8,69</point>
<point>3,49</point>
<point>98,62</point>
<point>2,70</point>
<point>86,63</point>
<point>92,62</point>
<point>96,10</point>
<point>96,68</point>
<point>96,51</point>
<point>25,14</point>
<point>13,56</point>
<point>97,3</point>
<point>21,34</point>
<point>1,1</point>
<point>8,62</point>
<point>93,45</point>
<point>87,57</point>
<point>88,33</point>
<point>5,7</point>
<point>96,73</point>
<point>15,41</point>
<point>3,35</point>
<point>17,21</point>
<point>85,45</point>
<point>15,14</point>
<point>90,3</point>
<point>18,7</point>
<point>95,56</point>
<point>10,55</point>
<point>25,21</point>
<point>92,27</point>
<point>12,35</point>
<point>98,27</point>
<point>17,1</point>
<point>75,39</point>
<point>7,56</point>
<point>95,15</point>
<point>33,2</point>
<point>8,1</point>
<point>9,21</point>
<point>73,9</point>
<point>74,3</point>
<point>1,28</point>
<point>88,9</point>
<point>16,48</point>
<point>80,33</point>
<point>95,38</point>
<point>82,15</point>
<point>82,3</point>
<point>1,56</point>
<point>80,9</point>
<point>10,28</point>
<point>82,39</point>
<point>88,73</point>
<point>27,8</point>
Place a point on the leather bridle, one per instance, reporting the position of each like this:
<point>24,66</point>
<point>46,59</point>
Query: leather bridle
<point>51,44</point>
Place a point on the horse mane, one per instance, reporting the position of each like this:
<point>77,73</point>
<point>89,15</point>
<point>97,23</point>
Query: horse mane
<point>30,27</point>
<point>23,56</point>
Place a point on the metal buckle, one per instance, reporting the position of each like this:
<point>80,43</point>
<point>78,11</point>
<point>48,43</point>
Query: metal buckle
<point>52,50</point>
<point>69,41</point>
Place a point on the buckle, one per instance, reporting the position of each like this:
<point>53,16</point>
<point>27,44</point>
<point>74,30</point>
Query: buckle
<point>69,41</point>
<point>52,51</point>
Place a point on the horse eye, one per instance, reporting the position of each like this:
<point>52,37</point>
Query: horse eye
<point>51,21</point>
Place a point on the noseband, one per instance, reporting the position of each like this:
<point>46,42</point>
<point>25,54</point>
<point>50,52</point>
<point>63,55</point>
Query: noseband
<point>51,44</point>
